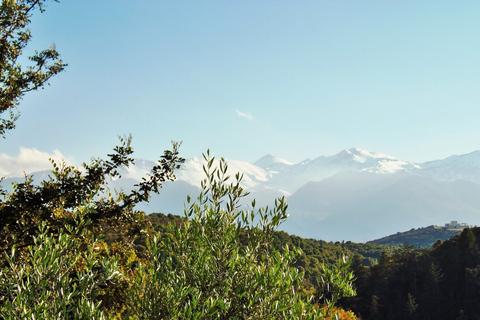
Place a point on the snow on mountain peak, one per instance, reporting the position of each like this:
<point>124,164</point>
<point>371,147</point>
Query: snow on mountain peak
<point>192,171</point>
<point>271,162</point>
<point>368,154</point>
<point>357,159</point>
<point>457,167</point>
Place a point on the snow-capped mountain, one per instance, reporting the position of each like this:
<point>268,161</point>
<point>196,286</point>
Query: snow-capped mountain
<point>294,176</point>
<point>458,167</point>
<point>353,195</point>
<point>272,164</point>
<point>192,172</point>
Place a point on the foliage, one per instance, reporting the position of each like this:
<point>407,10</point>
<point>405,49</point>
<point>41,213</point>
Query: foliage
<point>160,221</point>
<point>220,263</point>
<point>318,253</point>
<point>53,205</point>
<point>335,282</point>
<point>315,253</point>
<point>438,283</point>
<point>54,200</point>
<point>15,81</point>
<point>340,314</point>
<point>62,277</point>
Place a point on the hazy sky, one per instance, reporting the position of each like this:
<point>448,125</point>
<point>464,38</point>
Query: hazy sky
<point>297,79</point>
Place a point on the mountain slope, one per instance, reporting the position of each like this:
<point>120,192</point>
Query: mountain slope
<point>364,206</point>
<point>458,167</point>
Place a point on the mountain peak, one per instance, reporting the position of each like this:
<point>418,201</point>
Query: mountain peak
<point>368,154</point>
<point>271,162</point>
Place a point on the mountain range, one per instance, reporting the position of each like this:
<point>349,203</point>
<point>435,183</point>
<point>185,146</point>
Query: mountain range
<point>354,195</point>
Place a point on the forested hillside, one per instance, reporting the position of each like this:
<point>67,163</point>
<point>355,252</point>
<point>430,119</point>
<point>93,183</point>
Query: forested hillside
<point>421,237</point>
<point>402,282</point>
<point>438,283</point>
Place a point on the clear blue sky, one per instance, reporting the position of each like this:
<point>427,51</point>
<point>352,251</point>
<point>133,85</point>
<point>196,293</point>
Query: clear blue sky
<point>297,79</point>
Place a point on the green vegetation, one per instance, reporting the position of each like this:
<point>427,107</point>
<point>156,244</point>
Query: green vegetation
<point>218,262</point>
<point>314,253</point>
<point>421,238</point>
<point>16,80</point>
<point>317,253</point>
<point>437,283</point>
<point>57,277</point>
<point>72,249</point>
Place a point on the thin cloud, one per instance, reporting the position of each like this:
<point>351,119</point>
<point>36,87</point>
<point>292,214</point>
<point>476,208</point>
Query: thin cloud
<point>28,161</point>
<point>244,115</point>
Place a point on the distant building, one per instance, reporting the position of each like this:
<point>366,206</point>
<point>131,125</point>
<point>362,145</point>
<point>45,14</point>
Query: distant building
<point>455,224</point>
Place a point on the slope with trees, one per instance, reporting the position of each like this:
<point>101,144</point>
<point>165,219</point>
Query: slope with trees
<point>437,283</point>
<point>421,237</point>
<point>314,253</point>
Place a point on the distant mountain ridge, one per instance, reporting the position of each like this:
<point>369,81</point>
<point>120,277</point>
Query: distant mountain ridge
<point>355,195</point>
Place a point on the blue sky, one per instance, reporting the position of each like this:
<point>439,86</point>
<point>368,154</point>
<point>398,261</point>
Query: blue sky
<point>297,79</point>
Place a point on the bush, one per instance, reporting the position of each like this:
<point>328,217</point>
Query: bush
<point>58,277</point>
<point>219,263</point>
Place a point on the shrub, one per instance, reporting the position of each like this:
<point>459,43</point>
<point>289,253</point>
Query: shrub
<point>58,277</point>
<point>221,263</point>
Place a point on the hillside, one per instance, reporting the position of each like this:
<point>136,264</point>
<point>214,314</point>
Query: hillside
<point>421,237</point>
<point>439,283</point>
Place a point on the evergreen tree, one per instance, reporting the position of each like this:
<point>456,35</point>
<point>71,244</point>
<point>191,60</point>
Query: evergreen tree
<point>410,308</point>
<point>375,313</point>
<point>431,294</point>
<point>472,290</point>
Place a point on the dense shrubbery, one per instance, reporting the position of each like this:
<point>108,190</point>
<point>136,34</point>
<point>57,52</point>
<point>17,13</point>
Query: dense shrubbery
<point>68,187</point>
<point>61,276</point>
<point>315,253</point>
<point>219,262</point>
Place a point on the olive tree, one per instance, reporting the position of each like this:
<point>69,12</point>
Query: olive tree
<point>60,276</point>
<point>15,79</point>
<point>221,263</point>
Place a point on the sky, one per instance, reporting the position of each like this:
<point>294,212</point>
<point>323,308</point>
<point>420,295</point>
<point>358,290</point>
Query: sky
<point>296,79</point>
